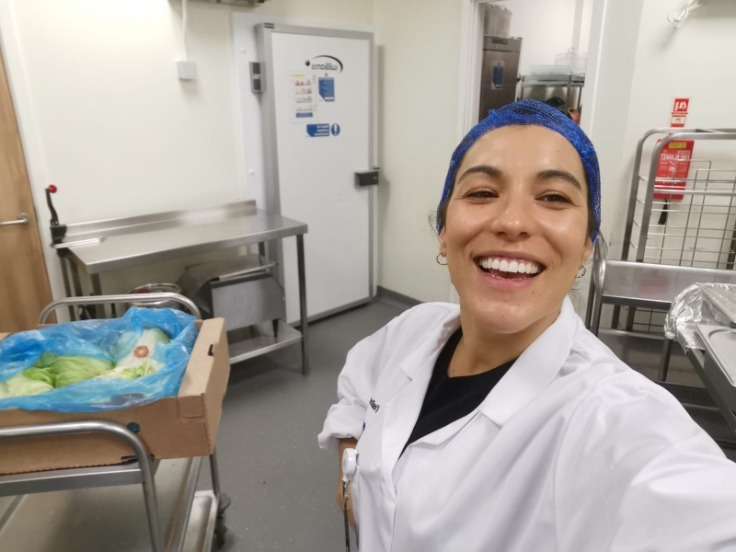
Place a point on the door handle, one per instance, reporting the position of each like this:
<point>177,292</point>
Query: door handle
<point>22,219</point>
<point>367,178</point>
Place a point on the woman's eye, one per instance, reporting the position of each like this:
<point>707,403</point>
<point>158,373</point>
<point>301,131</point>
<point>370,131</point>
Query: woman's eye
<point>481,194</point>
<point>555,198</point>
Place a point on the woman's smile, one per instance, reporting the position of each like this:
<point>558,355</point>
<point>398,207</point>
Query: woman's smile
<point>509,267</point>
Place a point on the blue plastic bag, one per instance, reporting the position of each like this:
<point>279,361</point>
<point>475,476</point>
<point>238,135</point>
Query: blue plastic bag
<point>107,340</point>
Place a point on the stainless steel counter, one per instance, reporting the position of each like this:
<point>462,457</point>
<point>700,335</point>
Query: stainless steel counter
<point>654,286</point>
<point>124,243</point>
<point>102,246</point>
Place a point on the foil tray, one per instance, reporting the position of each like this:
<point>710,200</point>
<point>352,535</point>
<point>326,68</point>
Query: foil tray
<point>720,344</point>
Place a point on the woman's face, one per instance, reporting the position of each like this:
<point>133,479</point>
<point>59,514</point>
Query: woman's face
<point>515,232</point>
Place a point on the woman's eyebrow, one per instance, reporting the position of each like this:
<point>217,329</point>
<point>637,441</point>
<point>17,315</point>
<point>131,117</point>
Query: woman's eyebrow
<point>483,169</point>
<point>564,175</point>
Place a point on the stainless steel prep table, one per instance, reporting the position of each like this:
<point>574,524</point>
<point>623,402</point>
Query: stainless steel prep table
<point>107,245</point>
<point>711,346</point>
<point>716,366</point>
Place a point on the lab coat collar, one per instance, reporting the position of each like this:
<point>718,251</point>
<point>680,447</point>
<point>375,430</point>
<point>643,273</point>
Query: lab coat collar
<point>534,369</point>
<point>426,355</point>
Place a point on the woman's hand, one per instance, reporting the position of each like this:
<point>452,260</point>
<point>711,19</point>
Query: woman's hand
<point>345,444</point>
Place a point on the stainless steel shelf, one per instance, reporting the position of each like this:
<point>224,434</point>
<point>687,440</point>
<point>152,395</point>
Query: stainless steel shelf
<point>553,80</point>
<point>202,518</point>
<point>649,285</point>
<point>78,478</point>
<point>573,83</point>
<point>715,366</point>
<point>250,343</point>
<point>112,518</point>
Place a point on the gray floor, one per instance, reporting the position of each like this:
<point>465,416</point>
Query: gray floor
<point>281,484</point>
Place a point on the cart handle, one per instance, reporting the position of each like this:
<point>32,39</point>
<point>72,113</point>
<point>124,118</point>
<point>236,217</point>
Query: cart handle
<point>122,298</point>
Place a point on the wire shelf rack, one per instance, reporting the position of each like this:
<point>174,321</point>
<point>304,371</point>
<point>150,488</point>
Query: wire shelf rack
<point>692,221</point>
<point>682,208</point>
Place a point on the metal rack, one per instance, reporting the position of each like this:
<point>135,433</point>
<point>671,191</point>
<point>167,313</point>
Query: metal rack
<point>571,83</point>
<point>680,229</point>
<point>688,221</point>
<point>178,517</point>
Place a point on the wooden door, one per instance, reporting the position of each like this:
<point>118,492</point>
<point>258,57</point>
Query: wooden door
<point>24,285</point>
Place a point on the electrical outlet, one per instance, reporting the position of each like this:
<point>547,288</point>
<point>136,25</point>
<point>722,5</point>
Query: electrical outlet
<point>186,69</point>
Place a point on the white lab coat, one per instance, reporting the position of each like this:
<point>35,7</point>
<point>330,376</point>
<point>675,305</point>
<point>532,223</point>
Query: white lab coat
<point>571,451</point>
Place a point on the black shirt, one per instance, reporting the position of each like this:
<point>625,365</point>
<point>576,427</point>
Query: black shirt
<point>449,399</point>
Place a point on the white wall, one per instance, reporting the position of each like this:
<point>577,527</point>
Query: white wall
<point>419,59</point>
<point>104,116</point>
<point>640,77</point>
<point>548,28</point>
<point>118,132</point>
<point>419,52</point>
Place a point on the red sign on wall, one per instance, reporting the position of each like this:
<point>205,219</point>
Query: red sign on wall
<point>679,112</point>
<point>673,165</point>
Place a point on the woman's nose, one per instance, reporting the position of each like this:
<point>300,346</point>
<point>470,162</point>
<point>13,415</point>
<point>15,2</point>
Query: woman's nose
<point>514,217</point>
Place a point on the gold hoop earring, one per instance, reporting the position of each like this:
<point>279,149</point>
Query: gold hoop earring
<point>584,271</point>
<point>437,259</point>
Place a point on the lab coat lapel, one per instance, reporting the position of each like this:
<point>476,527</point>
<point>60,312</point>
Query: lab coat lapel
<point>403,409</point>
<point>534,369</point>
<point>442,434</point>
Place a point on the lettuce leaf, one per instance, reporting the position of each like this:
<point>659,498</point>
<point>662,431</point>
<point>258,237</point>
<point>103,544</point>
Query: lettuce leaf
<point>60,371</point>
<point>20,385</point>
<point>132,372</point>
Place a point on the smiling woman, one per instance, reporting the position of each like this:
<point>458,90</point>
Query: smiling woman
<point>517,202</point>
<point>502,423</point>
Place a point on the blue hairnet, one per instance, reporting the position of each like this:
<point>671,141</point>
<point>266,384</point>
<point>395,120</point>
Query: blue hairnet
<point>532,112</point>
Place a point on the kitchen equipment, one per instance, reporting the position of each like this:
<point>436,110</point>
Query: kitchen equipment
<point>499,72</point>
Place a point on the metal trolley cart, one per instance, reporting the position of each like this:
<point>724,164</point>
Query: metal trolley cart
<point>680,230</point>
<point>102,508</point>
<point>680,227</point>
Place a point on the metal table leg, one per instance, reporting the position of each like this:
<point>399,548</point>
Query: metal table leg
<point>664,363</point>
<point>99,310</point>
<point>714,380</point>
<point>223,501</point>
<point>64,262</point>
<point>302,301</point>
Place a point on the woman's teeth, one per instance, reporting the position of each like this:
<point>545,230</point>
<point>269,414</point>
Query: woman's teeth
<point>510,265</point>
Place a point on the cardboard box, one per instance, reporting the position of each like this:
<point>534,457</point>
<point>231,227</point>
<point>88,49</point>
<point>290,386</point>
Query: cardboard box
<point>174,427</point>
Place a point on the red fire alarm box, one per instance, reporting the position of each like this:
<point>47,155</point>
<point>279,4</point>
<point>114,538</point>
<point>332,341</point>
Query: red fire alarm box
<point>673,165</point>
